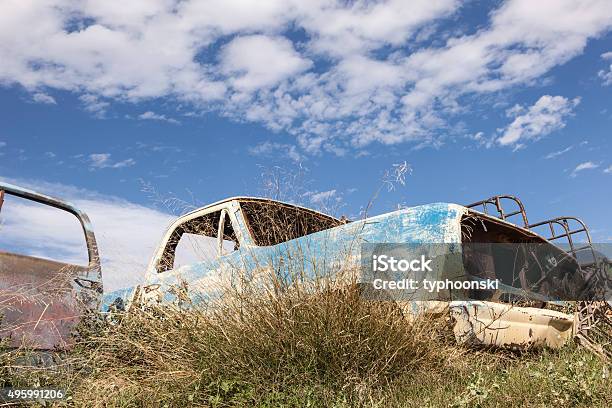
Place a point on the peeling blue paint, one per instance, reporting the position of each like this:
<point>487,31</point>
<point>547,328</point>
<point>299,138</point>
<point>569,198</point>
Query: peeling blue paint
<point>321,253</point>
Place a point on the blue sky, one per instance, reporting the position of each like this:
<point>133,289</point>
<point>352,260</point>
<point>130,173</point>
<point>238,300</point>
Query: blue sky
<point>198,99</point>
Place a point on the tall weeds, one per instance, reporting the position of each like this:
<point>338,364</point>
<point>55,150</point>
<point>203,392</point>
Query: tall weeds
<point>299,346</point>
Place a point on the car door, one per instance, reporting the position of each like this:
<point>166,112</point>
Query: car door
<point>50,275</point>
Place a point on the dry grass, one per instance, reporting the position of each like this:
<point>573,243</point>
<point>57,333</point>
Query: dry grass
<point>303,348</point>
<point>324,347</point>
<point>327,347</point>
<point>292,346</point>
<point>296,346</point>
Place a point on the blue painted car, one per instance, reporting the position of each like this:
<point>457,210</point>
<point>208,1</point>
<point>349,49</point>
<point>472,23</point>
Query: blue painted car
<point>242,242</point>
<point>247,235</point>
<point>239,240</point>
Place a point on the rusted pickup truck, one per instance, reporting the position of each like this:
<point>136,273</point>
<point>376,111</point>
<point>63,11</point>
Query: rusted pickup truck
<point>234,241</point>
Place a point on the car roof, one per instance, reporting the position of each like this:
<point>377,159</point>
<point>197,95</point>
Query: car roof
<point>241,199</point>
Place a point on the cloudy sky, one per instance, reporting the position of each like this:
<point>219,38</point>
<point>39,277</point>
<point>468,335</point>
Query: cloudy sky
<point>125,105</point>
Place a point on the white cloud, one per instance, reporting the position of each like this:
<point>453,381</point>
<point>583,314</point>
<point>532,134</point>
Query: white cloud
<point>482,140</point>
<point>31,228</point>
<point>515,111</point>
<point>343,29</point>
<point>103,161</point>
<point>99,160</point>
<point>558,153</point>
<point>259,61</point>
<point>94,104</point>
<point>154,116</point>
<point>608,170</point>
<point>40,97</point>
<point>348,74</point>
<point>127,233</point>
<point>589,165</point>
<point>271,149</point>
<point>545,116</point>
<point>329,202</point>
<point>606,76</point>
<point>322,197</point>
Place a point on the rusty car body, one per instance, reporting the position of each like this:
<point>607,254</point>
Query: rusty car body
<point>235,241</point>
<point>254,236</point>
<point>42,300</point>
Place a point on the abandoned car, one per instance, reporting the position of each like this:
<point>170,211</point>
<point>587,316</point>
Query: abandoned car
<point>43,300</point>
<point>233,242</point>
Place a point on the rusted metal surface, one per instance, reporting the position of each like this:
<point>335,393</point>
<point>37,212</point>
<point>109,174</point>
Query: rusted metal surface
<point>334,239</point>
<point>497,322</point>
<point>593,318</point>
<point>42,301</point>
<point>568,233</point>
<point>497,202</point>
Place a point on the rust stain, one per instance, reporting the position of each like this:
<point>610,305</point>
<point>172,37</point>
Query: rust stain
<point>42,301</point>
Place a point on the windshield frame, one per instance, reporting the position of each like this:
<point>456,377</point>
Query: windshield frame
<point>333,222</point>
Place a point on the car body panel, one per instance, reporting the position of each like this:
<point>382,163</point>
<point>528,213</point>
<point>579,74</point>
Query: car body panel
<point>337,248</point>
<point>503,325</point>
<point>42,301</point>
<point>325,251</point>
